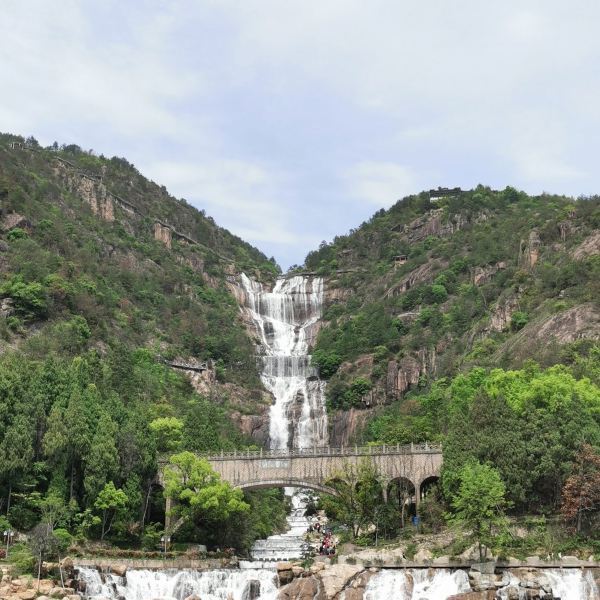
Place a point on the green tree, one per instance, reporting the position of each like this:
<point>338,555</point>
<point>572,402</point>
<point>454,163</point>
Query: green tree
<point>16,452</point>
<point>102,460</point>
<point>198,489</point>
<point>358,495</point>
<point>168,433</point>
<point>109,501</point>
<point>479,504</point>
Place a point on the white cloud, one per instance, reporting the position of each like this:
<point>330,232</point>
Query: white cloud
<point>56,70</point>
<point>242,195</point>
<point>381,183</point>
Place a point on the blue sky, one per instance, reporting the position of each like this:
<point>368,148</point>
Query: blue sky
<point>292,122</point>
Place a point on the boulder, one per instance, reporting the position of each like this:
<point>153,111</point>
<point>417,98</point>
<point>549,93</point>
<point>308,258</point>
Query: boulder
<point>571,561</point>
<point>251,591</point>
<point>441,561</point>
<point>284,573</point>
<point>118,570</point>
<point>305,588</point>
<point>481,582</point>
<point>336,578</point>
<point>73,597</point>
<point>485,595</point>
<point>27,594</point>
<point>297,570</point>
<point>57,592</point>
<point>193,597</point>
<point>422,556</point>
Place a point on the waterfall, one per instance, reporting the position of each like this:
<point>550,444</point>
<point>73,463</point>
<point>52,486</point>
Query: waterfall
<point>416,584</point>
<point>286,321</point>
<point>572,584</point>
<point>142,584</point>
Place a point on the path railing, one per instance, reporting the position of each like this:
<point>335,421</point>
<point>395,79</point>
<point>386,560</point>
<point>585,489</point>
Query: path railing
<point>384,450</point>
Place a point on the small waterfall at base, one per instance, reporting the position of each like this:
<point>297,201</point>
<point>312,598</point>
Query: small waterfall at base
<point>141,584</point>
<point>416,584</point>
<point>572,584</point>
<point>439,584</point>
<point>286,320</point>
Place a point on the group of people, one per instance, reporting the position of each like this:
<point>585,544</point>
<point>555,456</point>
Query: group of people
<point>327,545</point>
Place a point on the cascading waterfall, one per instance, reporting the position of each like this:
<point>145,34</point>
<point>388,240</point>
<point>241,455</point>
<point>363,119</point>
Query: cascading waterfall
<point>439,584</point>
<point>286,321</point>
<point>572,584</point>
<point>416,584</point>
<point>218,584</point>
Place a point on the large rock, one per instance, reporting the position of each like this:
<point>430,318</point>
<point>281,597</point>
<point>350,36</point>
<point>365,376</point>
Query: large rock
<point>285,574</point>
<point>356,591</point>
<point>589,247</point>
<point>423,556</point>
<point>485,595</point>
<point>306,588</point>
<point>337,577</point>
<point>118,570</point>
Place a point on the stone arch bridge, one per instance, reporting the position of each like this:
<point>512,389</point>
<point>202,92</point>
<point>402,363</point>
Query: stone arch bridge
<point>312,468</point>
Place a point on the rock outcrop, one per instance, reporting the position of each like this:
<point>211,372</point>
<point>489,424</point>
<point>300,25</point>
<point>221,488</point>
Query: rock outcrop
<point>15,220</point>
<point>502,313</point>
<point>530,250</point>
<point>589,247</point>
<point>163,234</point>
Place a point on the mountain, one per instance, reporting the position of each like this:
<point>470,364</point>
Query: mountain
<point>120,337</point>
<point>444,282</point>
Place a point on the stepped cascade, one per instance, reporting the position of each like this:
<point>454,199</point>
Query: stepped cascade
<point>286,320</point>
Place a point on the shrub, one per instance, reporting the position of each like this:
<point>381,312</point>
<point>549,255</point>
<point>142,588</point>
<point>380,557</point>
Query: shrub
<point>518,320</point>
<point>16,234</point>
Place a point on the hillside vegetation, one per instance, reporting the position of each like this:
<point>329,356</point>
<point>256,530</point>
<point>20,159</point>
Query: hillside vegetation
<point>473,321</point>
<point>104,279</point>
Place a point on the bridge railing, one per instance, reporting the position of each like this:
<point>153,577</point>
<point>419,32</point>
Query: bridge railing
<point>384,450</point>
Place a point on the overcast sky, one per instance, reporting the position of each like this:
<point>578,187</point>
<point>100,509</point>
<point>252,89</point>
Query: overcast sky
<point>291,122</point>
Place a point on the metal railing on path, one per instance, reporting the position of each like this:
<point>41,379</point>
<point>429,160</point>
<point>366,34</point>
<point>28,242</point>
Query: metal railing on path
<point>384,450</point>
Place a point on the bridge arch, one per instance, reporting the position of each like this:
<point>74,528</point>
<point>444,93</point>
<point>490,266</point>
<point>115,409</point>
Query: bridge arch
<point>279,483</point>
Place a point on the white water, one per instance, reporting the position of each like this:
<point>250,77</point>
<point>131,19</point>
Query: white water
<point>572,584</point>
<point>416,584</point>
<point>285,320</point>
<point>142,584</point>
<point>439,584</point>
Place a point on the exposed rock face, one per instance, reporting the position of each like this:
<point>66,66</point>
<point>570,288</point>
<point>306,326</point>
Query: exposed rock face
<point>14,220</point>
<point>405,373</point>
<point>432,223</point>
<point>419,275</point>
<point>481,275</point>
<point>579,322</point>
<point>402,375</point>
<point>589,247</point>
<point>502,313</point>
<point>530,250</point>
<point>163,234</point>
<point>94,193</point>
<point>344,425</point>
